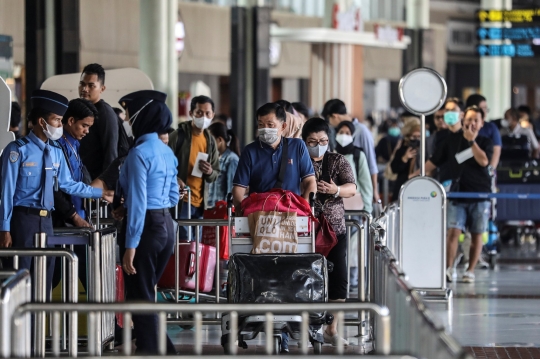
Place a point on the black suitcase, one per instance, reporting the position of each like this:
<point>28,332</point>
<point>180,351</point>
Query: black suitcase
<point>277,278</point>
<point>518,171</point>
<point>515,148</point>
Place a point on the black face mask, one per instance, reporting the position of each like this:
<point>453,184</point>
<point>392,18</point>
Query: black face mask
<point>414,143</point>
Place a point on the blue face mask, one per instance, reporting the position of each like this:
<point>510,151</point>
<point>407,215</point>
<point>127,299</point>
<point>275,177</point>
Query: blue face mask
<point>394,131</point>
<point>428,133</point>
<point>451,118</point>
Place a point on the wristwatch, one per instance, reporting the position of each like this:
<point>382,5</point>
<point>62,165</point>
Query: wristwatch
<point>337,193</point>
<point>471,143</point>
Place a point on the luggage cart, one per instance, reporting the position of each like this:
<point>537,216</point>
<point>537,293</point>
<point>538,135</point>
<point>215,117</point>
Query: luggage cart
<point>250,326</point>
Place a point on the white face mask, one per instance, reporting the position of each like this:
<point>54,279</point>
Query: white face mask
<point>202,122</point>
<point>344,140</point>
<point>505,123</point>
<point>53,133</point>
<point>268,135</point>
<point>317,151</point>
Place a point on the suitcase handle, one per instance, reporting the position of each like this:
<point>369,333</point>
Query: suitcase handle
<point>191,265</point>
<point>517,174</point>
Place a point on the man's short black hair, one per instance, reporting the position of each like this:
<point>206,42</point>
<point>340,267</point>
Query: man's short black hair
<point>79,109</point>
<point>334,106</point>
<point>286,105</point>
<point>201,100</point>
<point>474,100</point>
<point>301,108</point>
<point>95,69</point>
<point>476,109</point>
<point>314,125</point>
<point>525,109</point>
<point>36,113</point>
<point>272,107</point>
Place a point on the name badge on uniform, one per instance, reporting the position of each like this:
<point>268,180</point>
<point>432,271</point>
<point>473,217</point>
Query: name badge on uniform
<point>29,164</point>
<point>464,155</point>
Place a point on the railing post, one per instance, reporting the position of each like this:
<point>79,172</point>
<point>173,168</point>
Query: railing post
<point>40,294</point>
<point>97,289</point>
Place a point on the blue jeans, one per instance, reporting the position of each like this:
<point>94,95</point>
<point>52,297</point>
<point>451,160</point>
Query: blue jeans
<point>471,215</point>
<point>284,341</point>
<point>196,213</point>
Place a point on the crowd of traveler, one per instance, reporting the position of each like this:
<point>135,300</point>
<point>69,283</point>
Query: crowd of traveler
<point>80,148</point>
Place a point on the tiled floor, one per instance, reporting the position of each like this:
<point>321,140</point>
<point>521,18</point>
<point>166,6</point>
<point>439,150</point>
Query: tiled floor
<point>499,315</point>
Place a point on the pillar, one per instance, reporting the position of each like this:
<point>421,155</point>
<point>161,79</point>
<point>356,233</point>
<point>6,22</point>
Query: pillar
<point>156,47</point>
<point>496,72</point>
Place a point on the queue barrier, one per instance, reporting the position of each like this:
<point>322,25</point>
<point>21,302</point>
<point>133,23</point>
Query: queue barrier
<point>382,320</point>
<point>100,248</point>
<point>414,329</point>
<point>40,255</point>
<point>15,290</point>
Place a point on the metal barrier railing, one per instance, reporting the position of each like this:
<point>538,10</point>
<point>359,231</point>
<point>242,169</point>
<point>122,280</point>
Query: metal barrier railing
<point>383,322</point>
<point>40,255</point>
<point>15,290</point>
<point>101,276</point>
<point>413,329</point>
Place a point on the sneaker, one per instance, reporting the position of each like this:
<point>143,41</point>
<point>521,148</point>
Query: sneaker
<point>450,274</point>
<point>334,340</point>
<point>482,264</point>
<point>468,277</point>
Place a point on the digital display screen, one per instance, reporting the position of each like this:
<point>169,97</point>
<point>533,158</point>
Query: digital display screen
<point>504,33</point>
<point>518,16</point>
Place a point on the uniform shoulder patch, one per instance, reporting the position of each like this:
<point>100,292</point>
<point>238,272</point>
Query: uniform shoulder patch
<point>13,156</point>
<point>22,142</point>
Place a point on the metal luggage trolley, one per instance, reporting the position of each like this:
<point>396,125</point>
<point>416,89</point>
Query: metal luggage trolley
<point>250,326</point>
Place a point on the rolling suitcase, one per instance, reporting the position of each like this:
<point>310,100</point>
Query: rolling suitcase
<point>186,275</point>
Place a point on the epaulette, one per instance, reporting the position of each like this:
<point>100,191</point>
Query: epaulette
<point>55,144</point>
<point>22,142</point>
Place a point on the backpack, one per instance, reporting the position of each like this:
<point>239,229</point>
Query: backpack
<point>124,142</point>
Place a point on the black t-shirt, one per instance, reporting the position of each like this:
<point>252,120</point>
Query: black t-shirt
<point>472,177</point>
<point>100,146</point>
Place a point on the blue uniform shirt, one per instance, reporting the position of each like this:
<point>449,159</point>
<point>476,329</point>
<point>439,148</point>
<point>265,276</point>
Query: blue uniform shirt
<point>148,181</point>
<point>259,166</point>
<point>22,169</point>
<point>71,148</point>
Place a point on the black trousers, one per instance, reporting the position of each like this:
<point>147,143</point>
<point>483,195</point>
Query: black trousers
<point>337,279</point>
<point>151,257</point>
<point>23,228</point>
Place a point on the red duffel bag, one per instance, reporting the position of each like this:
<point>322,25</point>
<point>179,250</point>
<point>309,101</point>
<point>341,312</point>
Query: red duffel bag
<point>278,199</point>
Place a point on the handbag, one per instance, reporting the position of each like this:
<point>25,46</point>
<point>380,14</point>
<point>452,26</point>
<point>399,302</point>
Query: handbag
<point>388,173</point>
<point>209,232</point>
<point>325,238</point>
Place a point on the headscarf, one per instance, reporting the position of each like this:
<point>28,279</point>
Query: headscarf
<point>294,126</point>
<point>349,149</point>
<point>155,116</point>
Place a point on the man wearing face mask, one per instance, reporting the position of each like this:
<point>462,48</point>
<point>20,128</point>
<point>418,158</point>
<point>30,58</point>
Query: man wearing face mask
<point>260,161</point>
<point>190,139</point>
<point>32,168</point>
<point>388,143</point>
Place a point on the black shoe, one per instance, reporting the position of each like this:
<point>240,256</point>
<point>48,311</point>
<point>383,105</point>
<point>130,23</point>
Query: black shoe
<point>284,351</point>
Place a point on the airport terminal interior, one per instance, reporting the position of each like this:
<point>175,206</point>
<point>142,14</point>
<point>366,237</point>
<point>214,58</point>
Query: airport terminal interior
<point>270,177</point>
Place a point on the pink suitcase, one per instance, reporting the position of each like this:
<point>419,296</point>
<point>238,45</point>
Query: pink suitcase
<point>186,275</point>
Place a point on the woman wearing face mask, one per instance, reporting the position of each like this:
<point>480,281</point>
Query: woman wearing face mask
<point>229,154</point>
<point>405,160</point>
<point>357,159</point>
<point>388,143</point>
<point>337,183</point>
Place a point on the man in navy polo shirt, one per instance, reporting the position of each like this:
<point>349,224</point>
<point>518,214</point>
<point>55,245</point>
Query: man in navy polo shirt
<point>260,161</point>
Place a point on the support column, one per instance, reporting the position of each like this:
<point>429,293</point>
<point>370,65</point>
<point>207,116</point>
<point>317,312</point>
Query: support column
<point>496,72</point>
<point>34,47</point>
<point>172,89</point>
<point>417,13</point>
<point>155,46</point>
<point>50,39</point>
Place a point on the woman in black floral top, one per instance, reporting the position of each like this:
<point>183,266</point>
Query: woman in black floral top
<point>332,187</point>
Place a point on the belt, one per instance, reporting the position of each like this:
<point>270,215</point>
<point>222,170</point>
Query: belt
<point>33,211</point>
<point>161,210</point>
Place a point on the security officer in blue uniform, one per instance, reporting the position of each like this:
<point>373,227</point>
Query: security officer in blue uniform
<point>32,168</point>
<point>149,187</point>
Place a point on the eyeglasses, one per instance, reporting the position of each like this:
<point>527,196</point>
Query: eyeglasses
<point>439,117</point>
<point>313,143</point>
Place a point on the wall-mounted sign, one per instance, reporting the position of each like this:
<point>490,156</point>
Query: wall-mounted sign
<point>510,50</point>
<point>518,16</point>
<point>349,19</point>
<point>508,33</point>
<point>388,33</point>
<point>461,37</point>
